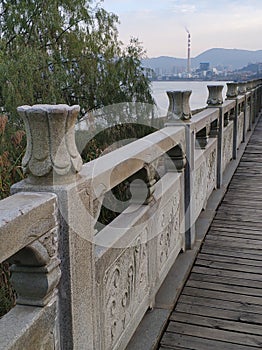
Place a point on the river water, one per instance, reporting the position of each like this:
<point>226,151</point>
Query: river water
<point>198,97</point>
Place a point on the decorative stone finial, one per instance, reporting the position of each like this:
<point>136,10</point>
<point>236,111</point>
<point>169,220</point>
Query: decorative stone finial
<point>232,90</point>
<point>249,85</point>
<point>242,87</point>
<point>215,97</point>
<point>179,107</point>
<point>170,111</point>
<point>51,148</point>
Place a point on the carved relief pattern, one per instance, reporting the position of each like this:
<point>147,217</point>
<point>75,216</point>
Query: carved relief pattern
<point>247,118</point>
<point>240,126</point>
<point>227,145</point>
<point>211,171</point>
<point>50,140</point>
<point>169,230</point>
<point>200,188</point>
<point>125,286</point>
<point>50,242</point>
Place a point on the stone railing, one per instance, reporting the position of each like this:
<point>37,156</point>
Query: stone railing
<point>28,234</point>
<point>110,277</point>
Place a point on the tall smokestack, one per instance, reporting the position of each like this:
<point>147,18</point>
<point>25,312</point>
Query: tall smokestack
<point>188,52</point>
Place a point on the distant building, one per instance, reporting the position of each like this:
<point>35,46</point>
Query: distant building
<point>204,66</point>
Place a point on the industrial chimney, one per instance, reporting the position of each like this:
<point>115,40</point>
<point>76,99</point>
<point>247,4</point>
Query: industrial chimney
<point>188,52</point>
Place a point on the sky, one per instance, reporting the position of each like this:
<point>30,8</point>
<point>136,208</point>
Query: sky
<point>161,24</point>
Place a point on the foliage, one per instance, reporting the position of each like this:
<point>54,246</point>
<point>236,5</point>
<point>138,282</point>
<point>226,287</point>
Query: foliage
<point>64,51</point>
<point>60,51</point>
<point>7,294</point>
<point>12,145</point>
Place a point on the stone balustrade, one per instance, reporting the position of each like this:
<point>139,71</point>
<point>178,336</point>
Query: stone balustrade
<point>110,274</point>
<point>29,239</point>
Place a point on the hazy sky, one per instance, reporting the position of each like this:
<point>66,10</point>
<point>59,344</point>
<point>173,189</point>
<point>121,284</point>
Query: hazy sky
<point>160,24</point>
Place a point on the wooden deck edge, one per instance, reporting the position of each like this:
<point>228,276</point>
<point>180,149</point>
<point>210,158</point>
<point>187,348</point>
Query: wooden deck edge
<point>152,326</point>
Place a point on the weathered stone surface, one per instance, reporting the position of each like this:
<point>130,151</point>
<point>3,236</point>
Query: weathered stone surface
<point>215,97</point>
<point>232,90</point>
<point>242,87</point>
<point>24,217</point>
<point>204,176</point>
<point>240,127</point>
<point>179,108</point>
<point>51,149</point>
<point>227,149</point>
<point>110,278</point>
<point>30,328</point>
<point>35,285</point>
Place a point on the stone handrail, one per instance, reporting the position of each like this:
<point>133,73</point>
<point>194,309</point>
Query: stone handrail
<point>24,218</point>
<point>29,240</point>
<point>111,276</point>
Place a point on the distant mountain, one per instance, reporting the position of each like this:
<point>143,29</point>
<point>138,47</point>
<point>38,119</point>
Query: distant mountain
<point>233,58</point>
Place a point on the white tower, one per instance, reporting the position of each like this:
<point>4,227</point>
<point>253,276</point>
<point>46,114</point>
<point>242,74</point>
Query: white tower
<point>188,52</point>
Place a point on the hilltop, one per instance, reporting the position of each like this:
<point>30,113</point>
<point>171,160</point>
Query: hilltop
<point>232,58</point>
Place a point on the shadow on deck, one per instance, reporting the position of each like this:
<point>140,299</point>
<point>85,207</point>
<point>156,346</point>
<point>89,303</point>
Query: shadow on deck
<point>220,306</point>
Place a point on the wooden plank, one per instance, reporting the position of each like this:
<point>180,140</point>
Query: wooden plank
<point>227,273</point>
<point>173,348</point>
<point>226,280</point>
<point>214,334</point>
<point>233,315</point>
<point>251,244</point>
<point>241,230</point>
<point>214,322</point>
<point>257,236</point>
<point>208,249</point>
<point>233,260</point>
<point>229,266</point>
<point>240,239</point>
<point>240,248</point>
<point>240,218</point>
<point>239,209</point>
<point>223,287</point>
<point>246,299</point>
<point>230,223</point>
<point>191,342</point>
<point>236,246</point>
<point>221,304</point>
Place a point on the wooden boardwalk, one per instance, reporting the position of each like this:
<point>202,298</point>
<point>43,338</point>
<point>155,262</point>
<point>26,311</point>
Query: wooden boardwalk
<point>220,306</point>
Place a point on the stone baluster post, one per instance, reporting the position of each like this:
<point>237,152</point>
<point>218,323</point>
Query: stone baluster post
<point>35,271</point>
<point>179,108</point>
<point>232,91</point>
<point>170,111</point>
<point>232,94</point>
<point>251,90</point>
<point>142,184</point>
<point>175,160</point>
<point>242,89</point>
<point>215,100</point>
<point>202,137</point>
<point>51,150</point>
<point>215,97</point>
<point>179,114</point>
<point>52,164</point>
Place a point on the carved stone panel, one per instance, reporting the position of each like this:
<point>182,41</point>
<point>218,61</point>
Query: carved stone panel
<point>199,188</point>
<point>247,118</point>
<point>211,171</point>
<point>125,286</point>
<point>240,126</point>
<point>168,230</point>
<point>227,145</point>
